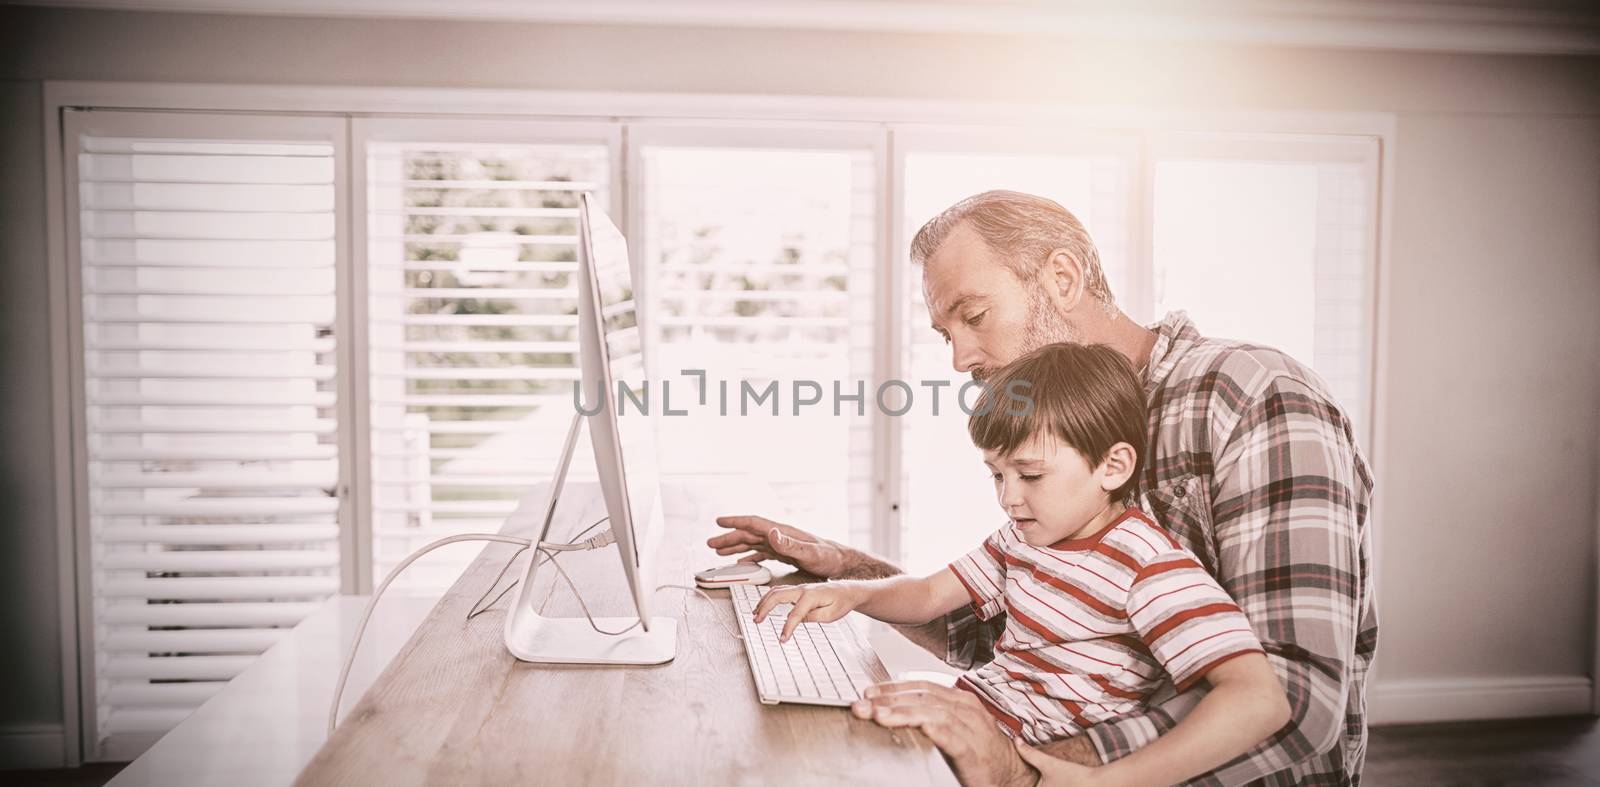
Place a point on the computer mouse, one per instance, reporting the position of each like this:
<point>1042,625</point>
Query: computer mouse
<point>733,574</point>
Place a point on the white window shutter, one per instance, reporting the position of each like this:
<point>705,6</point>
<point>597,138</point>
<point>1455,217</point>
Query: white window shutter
<point>207,277</point>
<point>472,329</point>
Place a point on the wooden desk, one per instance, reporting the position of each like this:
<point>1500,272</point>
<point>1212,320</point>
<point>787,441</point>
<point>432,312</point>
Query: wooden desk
<point>454,707</point>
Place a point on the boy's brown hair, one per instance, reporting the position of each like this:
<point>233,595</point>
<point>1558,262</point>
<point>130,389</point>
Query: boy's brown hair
<point>1087,396</point>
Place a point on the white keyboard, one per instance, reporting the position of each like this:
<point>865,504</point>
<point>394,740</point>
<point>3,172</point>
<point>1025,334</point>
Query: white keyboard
<point>822,664</point>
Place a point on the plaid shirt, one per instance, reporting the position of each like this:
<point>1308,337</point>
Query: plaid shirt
<point>1255,469</point>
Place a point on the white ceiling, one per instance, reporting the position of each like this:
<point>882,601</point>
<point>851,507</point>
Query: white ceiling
<point>1505,26</point>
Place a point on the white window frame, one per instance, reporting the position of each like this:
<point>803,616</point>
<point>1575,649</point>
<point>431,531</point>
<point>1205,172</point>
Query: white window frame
<point>355,105</point>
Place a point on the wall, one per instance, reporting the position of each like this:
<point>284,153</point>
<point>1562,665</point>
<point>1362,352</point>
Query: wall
<point>30,717</point>
<point>1488,463</point>
<point>1494,367</point>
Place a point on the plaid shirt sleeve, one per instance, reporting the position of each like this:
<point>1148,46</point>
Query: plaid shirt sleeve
<point>972,631</point>
<point>1286,504</point>
<point>969,641</point>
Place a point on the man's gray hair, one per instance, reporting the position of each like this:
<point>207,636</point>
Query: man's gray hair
<point>1024,230</point>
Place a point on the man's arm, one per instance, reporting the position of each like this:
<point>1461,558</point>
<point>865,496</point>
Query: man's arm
<point>764,539</point>
<point>1287,505</point>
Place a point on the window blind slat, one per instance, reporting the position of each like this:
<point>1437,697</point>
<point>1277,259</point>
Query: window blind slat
<point>497,293</point>
<point>239,506</point>
<point>217,534</point>
<point>468,480</point>
<point>200,343</point>
<point>233,398</point>
<point>176,668</point>
<point>233,480</point>
<point>453,240</point>
<point>222,588</point>
<point>464,373</point>
<point>243,453</point>
<point>194,640</point>
<point>190,694</point>
<point>154,721</point>
<point>242,372</point>
<point>308,426</point>
<point>275,613</point>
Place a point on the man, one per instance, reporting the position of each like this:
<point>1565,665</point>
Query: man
<point>1253,466</point>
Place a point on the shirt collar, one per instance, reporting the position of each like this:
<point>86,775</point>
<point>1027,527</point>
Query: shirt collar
<point>1175,334</point>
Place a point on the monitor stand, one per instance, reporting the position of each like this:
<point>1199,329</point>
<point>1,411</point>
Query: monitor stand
<point>545,640</point>
<point>533,637</point>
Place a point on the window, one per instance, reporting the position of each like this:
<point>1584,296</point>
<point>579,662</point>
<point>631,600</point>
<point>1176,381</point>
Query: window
<point>471,324</point>
<point>285,386</point>
<point>206,264</point>
<point>760,260</point>
<point>1238,217</point>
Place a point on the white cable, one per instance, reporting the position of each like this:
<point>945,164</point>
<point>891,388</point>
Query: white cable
<point>579,596</point>
<point>707,597</point>
<point>372,603</point>
<point>478,607</point>
<point>547,549</point>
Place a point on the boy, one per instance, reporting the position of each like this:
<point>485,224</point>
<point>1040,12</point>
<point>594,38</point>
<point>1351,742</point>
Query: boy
<point>1100,598</point>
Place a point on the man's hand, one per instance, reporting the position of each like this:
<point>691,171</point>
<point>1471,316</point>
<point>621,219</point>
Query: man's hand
<point>765,539</point>
<point>1054,772</point>
<point>1077,749</point>
<point>957,723</point>
<point>822,603</point>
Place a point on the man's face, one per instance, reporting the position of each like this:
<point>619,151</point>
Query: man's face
<point>982,310</point>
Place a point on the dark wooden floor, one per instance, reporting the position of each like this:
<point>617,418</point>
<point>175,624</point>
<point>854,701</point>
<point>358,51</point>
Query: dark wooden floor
<point>1541,752</point>
<point>92,775</point>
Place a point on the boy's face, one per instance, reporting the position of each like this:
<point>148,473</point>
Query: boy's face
<point>1049,490</point>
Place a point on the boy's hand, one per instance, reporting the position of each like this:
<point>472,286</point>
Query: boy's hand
<point>822,603</point>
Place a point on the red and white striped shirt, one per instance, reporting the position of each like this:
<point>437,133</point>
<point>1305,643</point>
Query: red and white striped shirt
<point>1092,623</point>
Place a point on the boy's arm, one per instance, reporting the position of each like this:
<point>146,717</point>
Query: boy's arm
<point>893,600</point>
<point>912,600</point>
<point>961,639</point>
<point>1245,706</point>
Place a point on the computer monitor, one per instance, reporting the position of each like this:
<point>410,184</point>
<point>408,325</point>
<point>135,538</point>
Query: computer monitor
<point>611,347</point>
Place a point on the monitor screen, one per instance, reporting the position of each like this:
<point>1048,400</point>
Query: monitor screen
<point>627,394</point>
<point>613,404</point>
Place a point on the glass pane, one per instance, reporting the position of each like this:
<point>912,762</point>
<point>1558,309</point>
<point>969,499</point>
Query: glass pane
<point>1227,231</point>
<point>760,268</point>
<point>1223,224</point>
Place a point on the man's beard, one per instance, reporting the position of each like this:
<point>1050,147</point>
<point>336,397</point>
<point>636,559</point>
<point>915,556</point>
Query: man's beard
<point>1044,326</point>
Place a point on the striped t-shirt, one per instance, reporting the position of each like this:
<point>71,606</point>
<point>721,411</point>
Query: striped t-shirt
<point>1092,623</point>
